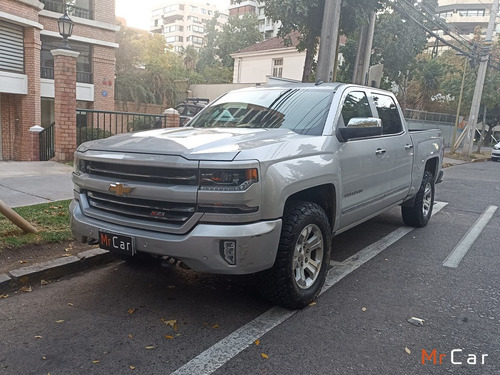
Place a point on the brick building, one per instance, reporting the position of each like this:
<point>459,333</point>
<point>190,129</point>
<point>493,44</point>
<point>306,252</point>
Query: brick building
<point>28,34</point>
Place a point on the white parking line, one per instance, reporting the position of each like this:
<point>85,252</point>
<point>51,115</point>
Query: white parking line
<point>227,348</point>
<point>454,258</point>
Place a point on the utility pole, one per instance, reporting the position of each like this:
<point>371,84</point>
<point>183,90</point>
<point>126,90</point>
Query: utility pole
<point>362,64</point>
<point>328,42</point>
<point>478,89</point>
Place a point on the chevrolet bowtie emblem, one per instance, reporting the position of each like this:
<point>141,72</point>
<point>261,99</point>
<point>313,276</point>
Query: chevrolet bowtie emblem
<point>120,189</point>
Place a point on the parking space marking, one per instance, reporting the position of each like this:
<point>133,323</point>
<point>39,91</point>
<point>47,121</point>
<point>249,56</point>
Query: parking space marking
<point>455,257</point>
<point>227,348</point>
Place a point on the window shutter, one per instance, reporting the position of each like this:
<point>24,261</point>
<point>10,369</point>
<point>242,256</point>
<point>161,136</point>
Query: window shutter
<point>11,47</point>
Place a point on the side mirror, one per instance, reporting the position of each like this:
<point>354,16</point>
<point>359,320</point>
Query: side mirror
<point>360,127</point>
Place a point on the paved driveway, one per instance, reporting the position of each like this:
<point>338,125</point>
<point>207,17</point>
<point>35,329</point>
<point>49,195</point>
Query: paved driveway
<point>26,183</point>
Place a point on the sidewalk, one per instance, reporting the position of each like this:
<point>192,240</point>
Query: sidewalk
<point>24,183</point>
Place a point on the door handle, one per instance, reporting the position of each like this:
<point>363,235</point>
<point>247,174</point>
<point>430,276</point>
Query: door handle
<point>380,151</point>
<point>408,147</point>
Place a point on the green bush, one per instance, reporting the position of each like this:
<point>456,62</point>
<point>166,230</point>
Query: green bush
<point>90,134</point>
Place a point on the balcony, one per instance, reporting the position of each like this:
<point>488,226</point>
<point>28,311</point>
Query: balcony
<point>71,9</point>
<point>82,77</point>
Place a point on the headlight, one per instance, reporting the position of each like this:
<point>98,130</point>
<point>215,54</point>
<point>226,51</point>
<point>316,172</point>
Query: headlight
<point>228,179</point>
<point>496,147</point>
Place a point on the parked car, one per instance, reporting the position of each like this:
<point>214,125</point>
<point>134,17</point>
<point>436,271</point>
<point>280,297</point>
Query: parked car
<point>189,108</point>
<point>495,152</point>
<point>260,180</point>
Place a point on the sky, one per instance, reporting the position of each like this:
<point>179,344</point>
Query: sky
<point>138,12</point>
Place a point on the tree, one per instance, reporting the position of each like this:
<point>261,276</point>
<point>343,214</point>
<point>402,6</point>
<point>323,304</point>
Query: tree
<point>304,16</point>
<point>237,33</point>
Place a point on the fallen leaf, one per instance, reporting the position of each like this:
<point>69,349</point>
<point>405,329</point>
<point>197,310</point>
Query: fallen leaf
<point>131,311</point>
<point>59,321</point>
<point>264,355</point>
<point>407,350</point>
<point>215,326</point>
<point>363,309</point>
<point>70,304</point>
<point>26,289</point>
<point>23,261</point>
<point>130,336</point>
<point>66,255</point>
<point>96,362</point>
<point>169,337</point>
<point>257,342</point>
<point>44,358</point>
<point>150,347</point>
<point>38,337</point>
<point>312,303</point>
<point>43,282</point>
<point>4,296</point>
<point>172,323</point>
<point>131,367</point>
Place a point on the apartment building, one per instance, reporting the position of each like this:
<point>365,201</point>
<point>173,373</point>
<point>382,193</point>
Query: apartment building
<point>28,33</point>
<point>183,22</point>
<point>463,17</point>
<point>267,26</point>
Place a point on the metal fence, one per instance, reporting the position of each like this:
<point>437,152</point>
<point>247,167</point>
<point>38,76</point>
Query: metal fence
<point>46,142</point>
<point>93,124</point>
<point>413,114</point>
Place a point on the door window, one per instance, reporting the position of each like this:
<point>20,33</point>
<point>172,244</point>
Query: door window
<point>355,105</point>
<point>388,113</point>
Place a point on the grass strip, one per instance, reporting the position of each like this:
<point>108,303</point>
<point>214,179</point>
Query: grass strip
<point>50,219</point>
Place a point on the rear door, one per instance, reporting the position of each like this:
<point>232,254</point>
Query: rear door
<point>399,148</point>
<point>363,163</point>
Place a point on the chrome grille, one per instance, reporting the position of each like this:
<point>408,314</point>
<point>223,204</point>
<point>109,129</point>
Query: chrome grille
<point>158,211</point>
<point>141,173</point>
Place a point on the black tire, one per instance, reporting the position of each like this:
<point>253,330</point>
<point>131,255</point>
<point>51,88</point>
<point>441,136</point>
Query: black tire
<point>299,272</point>
<point>419,214</point>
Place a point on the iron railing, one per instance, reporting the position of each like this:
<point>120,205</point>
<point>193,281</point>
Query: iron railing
<point>82,77</point>
<point>93,124</point>
<point>72,10</point>
<point>413,114</point>
<point>46,142</point>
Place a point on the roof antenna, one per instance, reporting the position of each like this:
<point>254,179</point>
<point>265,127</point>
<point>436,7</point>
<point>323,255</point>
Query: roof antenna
<point>318,82</point>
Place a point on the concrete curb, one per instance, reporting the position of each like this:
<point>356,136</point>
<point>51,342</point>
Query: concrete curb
<point>53,269</point>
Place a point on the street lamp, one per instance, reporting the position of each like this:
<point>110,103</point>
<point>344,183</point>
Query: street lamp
<point>65,25</point>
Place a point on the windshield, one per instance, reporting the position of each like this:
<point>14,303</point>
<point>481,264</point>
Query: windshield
<point>302,110</point>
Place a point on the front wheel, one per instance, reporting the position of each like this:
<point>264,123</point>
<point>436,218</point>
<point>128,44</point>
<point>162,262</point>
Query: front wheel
<point>419,214</point>
<point>299,272</point>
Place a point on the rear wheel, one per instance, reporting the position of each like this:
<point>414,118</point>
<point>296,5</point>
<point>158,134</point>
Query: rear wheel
<point>419,214</point>
<point>299,271</point>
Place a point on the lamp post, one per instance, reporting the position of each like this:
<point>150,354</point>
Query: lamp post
<point>65,25</point>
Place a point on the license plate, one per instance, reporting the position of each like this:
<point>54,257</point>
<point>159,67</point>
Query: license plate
<point>116,243</point>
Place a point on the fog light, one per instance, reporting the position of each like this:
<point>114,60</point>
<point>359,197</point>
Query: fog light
<point>228,251</point>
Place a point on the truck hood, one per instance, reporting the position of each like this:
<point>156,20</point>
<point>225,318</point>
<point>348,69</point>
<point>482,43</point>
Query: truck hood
<point>192,143</point>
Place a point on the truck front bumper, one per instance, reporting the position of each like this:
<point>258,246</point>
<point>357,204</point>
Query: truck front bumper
<point>201,249</point>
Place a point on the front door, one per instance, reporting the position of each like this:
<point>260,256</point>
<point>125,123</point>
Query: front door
<point>363,165</point>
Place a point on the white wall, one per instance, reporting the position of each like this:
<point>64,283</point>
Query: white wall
<point>254,68</point>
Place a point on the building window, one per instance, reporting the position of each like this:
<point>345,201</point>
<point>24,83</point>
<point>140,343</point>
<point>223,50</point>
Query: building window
<point>75,8</point>
<point>278,68</point>
<point>11,47</point>
<point>83,61</point>
<point>195,39</point>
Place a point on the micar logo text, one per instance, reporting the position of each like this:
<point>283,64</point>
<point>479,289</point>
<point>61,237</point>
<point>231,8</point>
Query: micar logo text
<point>457,357</point>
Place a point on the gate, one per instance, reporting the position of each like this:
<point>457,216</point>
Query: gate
<point>46,139</point>
<point>93,124</point>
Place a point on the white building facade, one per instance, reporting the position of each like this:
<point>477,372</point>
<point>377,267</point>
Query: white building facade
<point>183,22</point>
<point>267,26</point>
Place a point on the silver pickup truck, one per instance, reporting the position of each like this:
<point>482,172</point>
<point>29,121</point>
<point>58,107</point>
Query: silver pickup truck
<point>258,182</point>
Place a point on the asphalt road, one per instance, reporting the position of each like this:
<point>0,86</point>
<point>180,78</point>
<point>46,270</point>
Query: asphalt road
<point>120,319</point>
